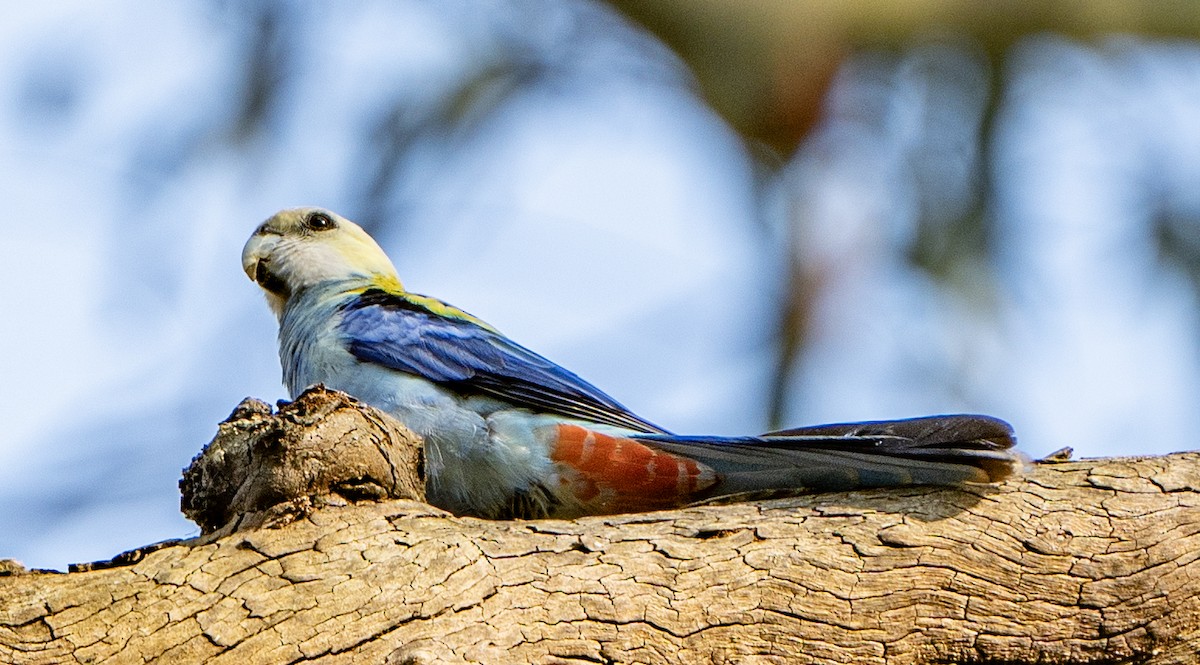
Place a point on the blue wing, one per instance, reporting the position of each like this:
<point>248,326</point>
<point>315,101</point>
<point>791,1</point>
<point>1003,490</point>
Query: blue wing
<point>430,339</point>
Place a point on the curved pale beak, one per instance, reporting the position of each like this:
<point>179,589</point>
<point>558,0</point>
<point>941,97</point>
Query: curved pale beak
<point>256,261</point>
<point>255,255</point>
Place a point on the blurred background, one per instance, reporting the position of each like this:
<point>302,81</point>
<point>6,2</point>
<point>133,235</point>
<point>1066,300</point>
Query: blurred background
<point>729,215</point>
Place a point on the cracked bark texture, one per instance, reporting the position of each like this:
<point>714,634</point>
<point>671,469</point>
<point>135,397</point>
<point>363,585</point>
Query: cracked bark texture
<point>1092,561</point>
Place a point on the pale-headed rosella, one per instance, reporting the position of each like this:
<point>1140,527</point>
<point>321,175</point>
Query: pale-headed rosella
<point>510,434</point>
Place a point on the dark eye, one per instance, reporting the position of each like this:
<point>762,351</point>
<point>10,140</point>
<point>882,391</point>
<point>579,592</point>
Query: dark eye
<point>319,221</point>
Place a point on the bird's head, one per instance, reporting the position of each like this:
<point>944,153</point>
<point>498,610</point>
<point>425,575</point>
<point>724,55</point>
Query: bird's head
<point>301,247</point>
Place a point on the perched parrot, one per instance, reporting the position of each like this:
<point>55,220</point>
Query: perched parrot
<point>510,434</point>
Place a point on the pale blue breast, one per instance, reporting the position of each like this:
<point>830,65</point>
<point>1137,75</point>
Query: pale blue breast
<point>477,451</point>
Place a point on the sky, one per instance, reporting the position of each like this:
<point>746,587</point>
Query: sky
<point>590,206</point>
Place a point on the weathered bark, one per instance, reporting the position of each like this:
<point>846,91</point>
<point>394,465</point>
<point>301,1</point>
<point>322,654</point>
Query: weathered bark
<point>1077,562</point>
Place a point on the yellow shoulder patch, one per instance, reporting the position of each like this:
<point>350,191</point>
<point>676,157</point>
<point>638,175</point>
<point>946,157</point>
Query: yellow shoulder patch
<point>388,283</point>
<point>442,309</point>
<point>392,286</point>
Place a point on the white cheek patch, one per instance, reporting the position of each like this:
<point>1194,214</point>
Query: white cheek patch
<point>304,262</point>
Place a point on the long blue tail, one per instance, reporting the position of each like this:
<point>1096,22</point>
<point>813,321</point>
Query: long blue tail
<point>934,450</point>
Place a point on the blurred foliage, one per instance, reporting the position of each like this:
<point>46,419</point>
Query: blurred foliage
<point>768,67</point>
<point>765,64</point>
<point>454,116</point>
<point>266,58</point>
<point>1177,240</point>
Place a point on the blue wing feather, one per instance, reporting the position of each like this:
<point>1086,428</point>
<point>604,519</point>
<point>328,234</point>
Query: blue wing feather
<point>428,338</point>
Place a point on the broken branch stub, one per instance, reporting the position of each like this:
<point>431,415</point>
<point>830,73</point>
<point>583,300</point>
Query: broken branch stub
<point>266,468</point>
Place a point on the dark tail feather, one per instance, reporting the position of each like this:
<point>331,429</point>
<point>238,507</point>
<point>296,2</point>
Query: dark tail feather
<point>981,441</point>
<point>936,450</point>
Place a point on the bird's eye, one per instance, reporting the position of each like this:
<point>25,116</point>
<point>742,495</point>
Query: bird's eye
<point>319,221</point>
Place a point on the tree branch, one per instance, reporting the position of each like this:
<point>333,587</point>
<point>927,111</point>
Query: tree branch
<point>1078,562</point>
